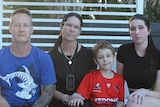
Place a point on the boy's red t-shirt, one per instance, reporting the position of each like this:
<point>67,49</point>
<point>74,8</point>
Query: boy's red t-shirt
<point>102,92</point>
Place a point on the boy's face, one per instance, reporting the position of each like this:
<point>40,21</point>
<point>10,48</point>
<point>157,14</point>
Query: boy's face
<point>105,59</point>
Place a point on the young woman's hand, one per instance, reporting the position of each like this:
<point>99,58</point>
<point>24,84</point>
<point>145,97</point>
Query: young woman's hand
<point>76,102</point>
<point>138,95</point>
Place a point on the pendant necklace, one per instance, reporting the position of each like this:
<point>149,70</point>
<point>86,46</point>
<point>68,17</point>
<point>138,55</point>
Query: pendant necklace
<point>69,58</point>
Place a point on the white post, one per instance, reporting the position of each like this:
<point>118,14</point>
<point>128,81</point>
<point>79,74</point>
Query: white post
<point>140,6</point>
<point>1,21</point>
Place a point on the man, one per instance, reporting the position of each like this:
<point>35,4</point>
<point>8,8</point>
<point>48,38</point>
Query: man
<point>27,75</point>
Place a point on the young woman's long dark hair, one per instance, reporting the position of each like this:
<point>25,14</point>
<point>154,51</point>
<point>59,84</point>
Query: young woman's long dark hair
<point>151,54</point>
<point>58,42</point>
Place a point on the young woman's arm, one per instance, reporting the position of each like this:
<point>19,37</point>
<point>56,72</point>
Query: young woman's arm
<point>157,85</point>
<point>140,94</point>
<point>156,92</point>
<point>120,67</point>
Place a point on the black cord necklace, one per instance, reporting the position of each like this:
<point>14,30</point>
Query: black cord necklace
<point>70,78</point>
<point>69,58</point>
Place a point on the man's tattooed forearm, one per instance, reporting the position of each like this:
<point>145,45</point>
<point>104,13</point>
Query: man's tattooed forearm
<point>46,96</point>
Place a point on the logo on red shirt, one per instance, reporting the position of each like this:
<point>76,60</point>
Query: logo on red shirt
<point>97,88</point>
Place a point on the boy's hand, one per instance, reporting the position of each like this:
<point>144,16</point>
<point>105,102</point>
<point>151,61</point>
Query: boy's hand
<point>76,102</point>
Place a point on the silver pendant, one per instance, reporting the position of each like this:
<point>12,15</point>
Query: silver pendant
<point>70,62</point>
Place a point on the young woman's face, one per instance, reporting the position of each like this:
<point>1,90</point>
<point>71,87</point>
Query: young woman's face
<point>139,31</point>
<point>71,28</point>
<point>105,59</point>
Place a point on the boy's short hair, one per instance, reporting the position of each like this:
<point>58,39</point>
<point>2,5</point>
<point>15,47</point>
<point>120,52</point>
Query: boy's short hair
<point>102,45</point>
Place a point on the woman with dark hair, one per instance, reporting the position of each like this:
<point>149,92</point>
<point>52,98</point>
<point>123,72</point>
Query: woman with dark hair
<point>71,60</point>
<point>139,64</point>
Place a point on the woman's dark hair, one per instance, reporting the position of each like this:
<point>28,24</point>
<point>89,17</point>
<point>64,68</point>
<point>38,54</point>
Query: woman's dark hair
<point>151,54</point>
<point>58,42</point>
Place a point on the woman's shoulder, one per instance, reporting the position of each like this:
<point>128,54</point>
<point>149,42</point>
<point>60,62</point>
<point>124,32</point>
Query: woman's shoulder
<point>128,45</point>
<point>54,52</point>
<point>86,51</point>
<point>126,48</point>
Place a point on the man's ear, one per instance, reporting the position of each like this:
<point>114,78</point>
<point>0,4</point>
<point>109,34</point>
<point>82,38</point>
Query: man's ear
<point>10,28</point>
<point>32,30</point>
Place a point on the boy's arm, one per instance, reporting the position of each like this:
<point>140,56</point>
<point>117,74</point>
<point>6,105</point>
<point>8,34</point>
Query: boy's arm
<point>76,100</point>
<point>77,95</point>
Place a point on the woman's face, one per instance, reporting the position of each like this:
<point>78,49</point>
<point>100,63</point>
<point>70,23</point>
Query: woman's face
<point>71,29</point>
<point>139,31</point>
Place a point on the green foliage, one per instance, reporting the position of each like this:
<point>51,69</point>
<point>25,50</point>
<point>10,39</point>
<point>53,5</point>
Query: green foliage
<point>153,12</point>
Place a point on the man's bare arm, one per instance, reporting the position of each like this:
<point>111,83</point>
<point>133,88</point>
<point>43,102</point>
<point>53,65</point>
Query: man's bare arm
<point>3,101</point>
<point>46,96</point>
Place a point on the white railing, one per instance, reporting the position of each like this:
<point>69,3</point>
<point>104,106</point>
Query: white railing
<point>93,30</point>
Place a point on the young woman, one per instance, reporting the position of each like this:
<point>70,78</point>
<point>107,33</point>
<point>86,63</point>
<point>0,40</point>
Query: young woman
<point>71,60</point>
<point>139,64</point>
<point>103,87</point>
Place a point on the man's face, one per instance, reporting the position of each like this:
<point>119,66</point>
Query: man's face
<point>21,28</point>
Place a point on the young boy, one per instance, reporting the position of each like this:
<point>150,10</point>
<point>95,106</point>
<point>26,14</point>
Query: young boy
<point>102,87</point>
